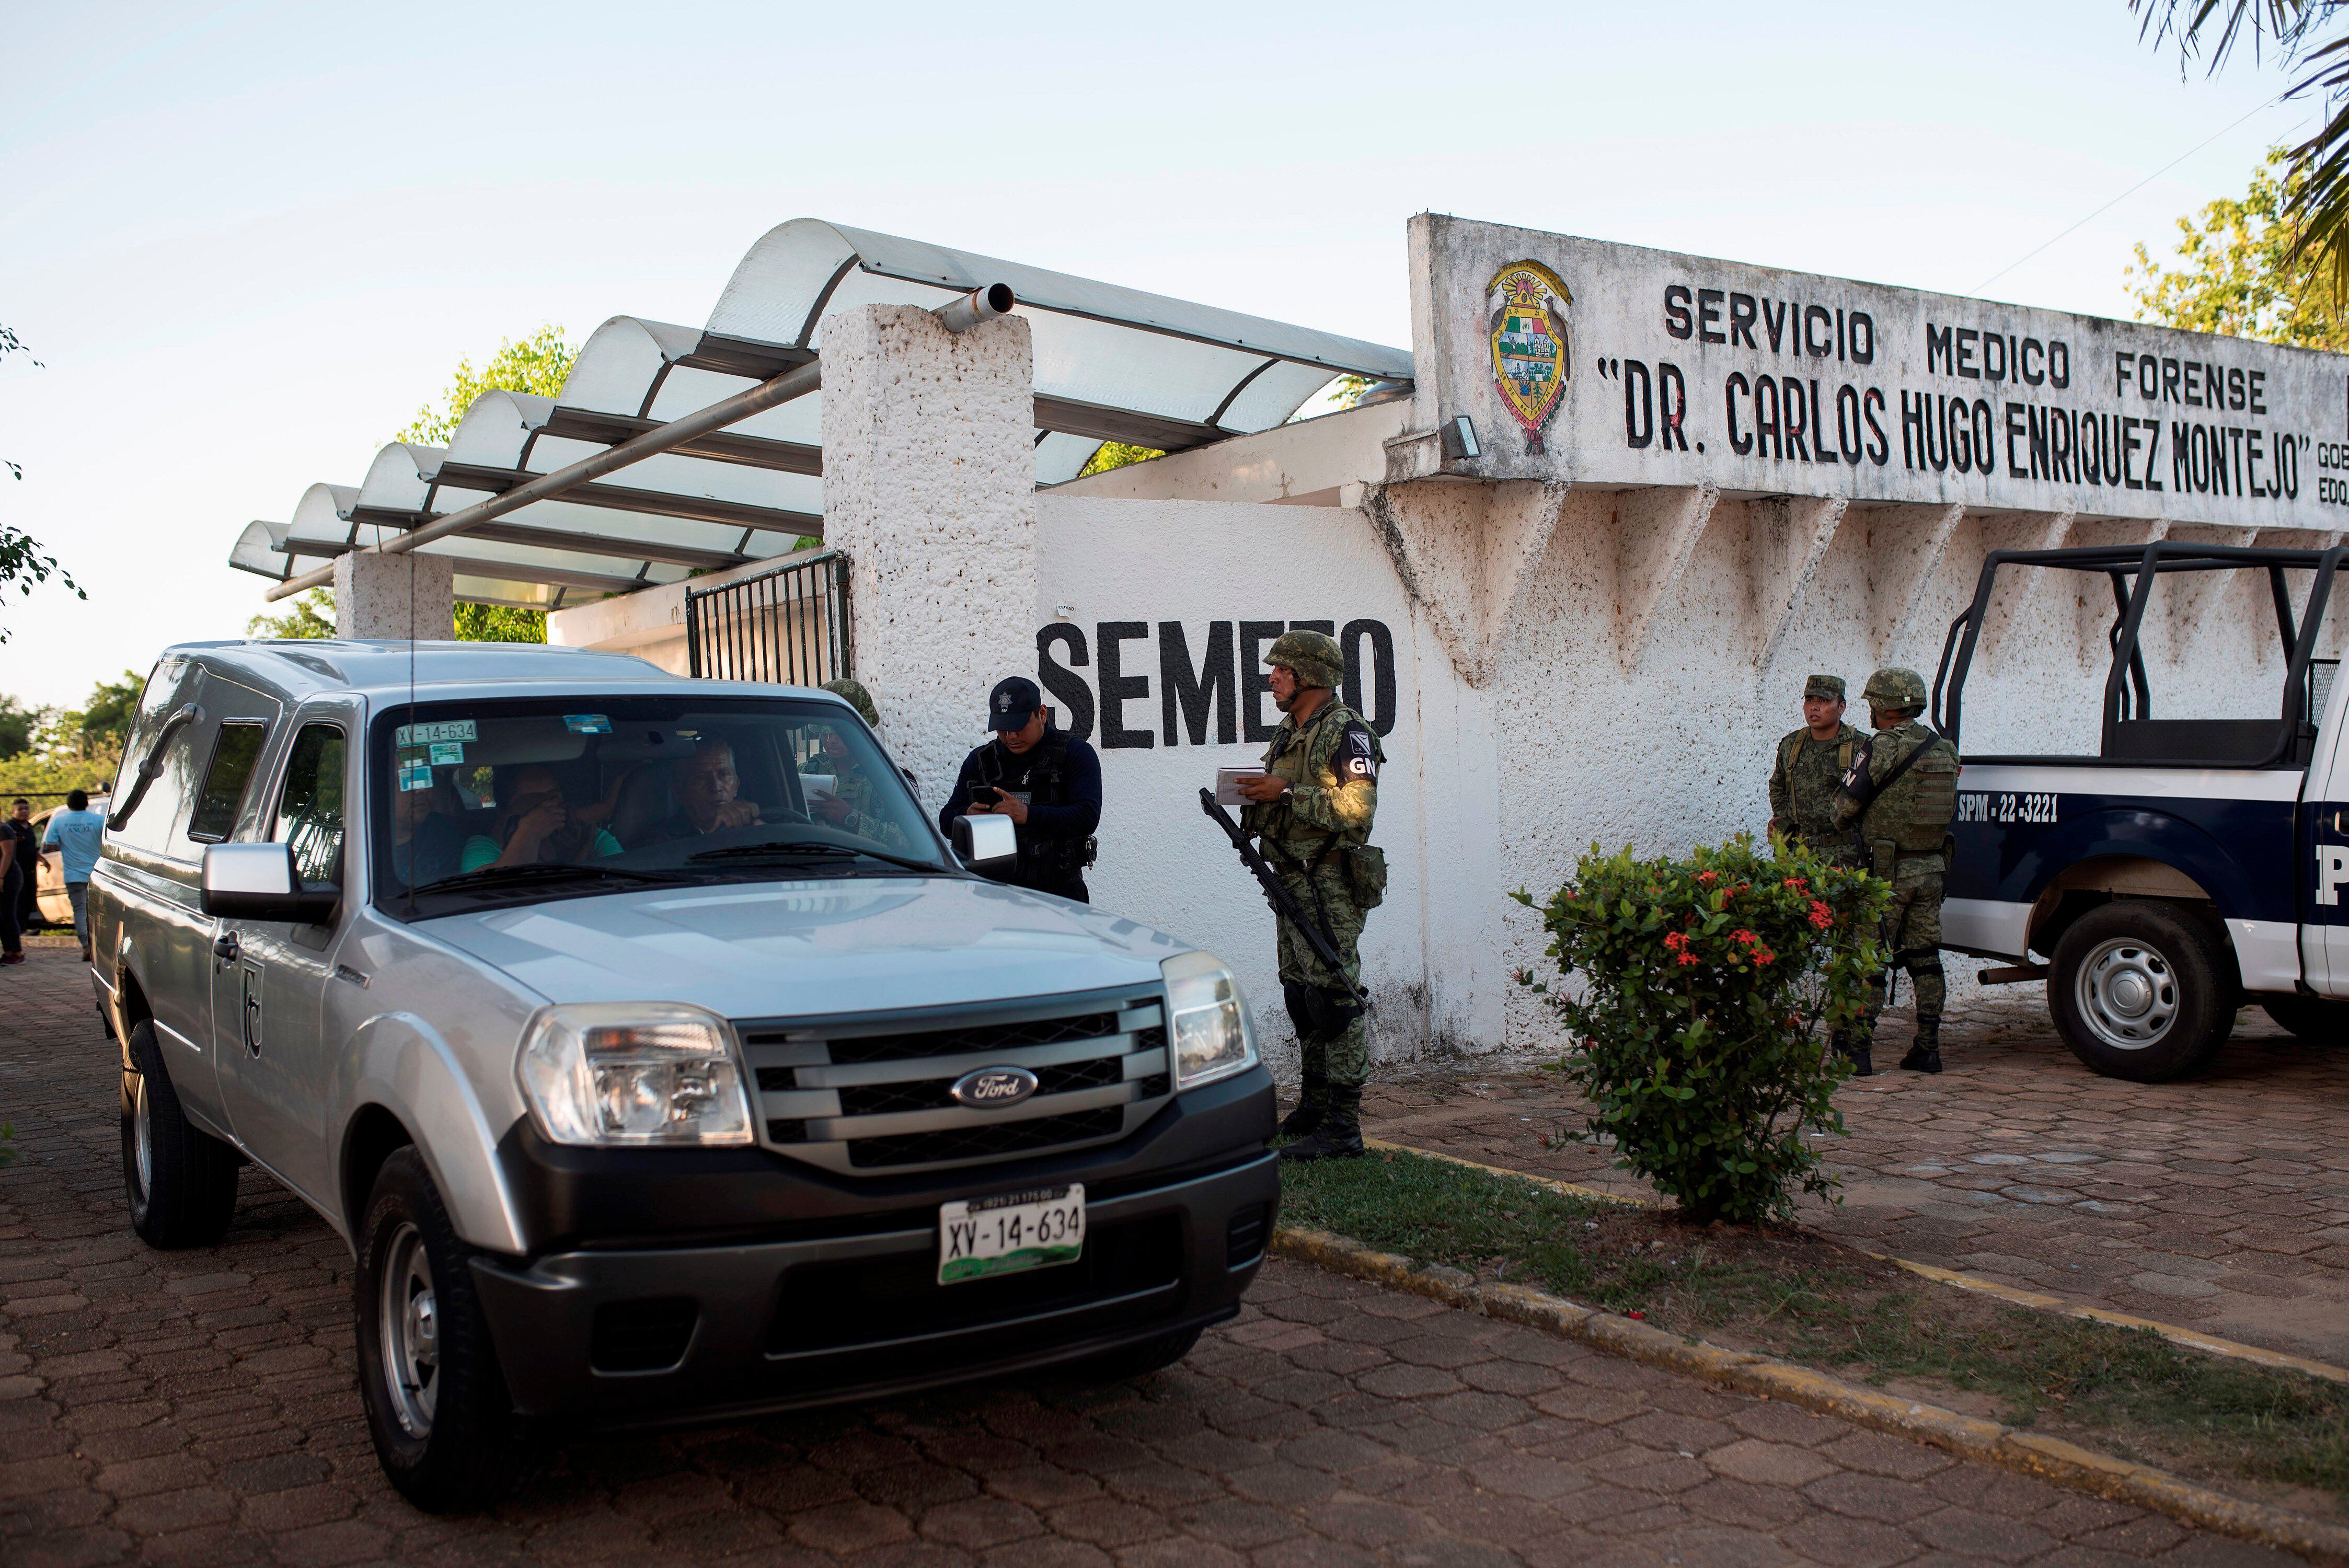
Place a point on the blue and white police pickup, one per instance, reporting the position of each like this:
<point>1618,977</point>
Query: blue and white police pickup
<point>2195,865</point>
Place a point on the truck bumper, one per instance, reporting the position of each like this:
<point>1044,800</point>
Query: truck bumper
<point>651,1336</point>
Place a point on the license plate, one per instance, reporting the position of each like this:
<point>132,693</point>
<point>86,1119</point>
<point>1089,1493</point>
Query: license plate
<point>981,1237</point>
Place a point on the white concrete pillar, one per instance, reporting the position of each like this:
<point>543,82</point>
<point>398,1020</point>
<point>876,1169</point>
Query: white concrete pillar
<point>929,490</point>
<point>398,596</point>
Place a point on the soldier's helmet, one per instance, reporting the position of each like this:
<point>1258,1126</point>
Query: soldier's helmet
<point>858,699</point>
<point>1313,655</point>
<point>1895,687</point>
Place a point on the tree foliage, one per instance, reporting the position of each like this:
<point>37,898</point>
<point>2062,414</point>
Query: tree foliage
<point>1705,984</point>
<point>537,363</point>
<point>1110,455</point>
<point>46,751</point>
<point>23,561</point>
<point>499,623</point>
<point>2303,35</point>
<point>2235,272</point>
<point>309,617</point>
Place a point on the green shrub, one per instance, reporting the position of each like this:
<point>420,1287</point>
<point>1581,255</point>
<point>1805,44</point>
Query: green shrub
<point>1699,1028</point>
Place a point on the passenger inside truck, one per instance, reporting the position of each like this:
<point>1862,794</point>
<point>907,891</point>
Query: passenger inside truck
<point>653,789</point>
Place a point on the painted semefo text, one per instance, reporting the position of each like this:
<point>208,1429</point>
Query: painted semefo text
<point>1173,683</point>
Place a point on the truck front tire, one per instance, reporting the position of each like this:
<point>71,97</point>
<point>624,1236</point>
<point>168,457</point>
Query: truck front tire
<point>436,1402</point>
<point>2139,990</point>
<point>180,1182</point>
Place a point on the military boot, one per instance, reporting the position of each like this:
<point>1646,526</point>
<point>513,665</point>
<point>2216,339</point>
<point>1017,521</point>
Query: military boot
<point>1312,1105</point>
<point>1858,1053</point>
<point>1339,1136</point>
<point>1925,1056</point>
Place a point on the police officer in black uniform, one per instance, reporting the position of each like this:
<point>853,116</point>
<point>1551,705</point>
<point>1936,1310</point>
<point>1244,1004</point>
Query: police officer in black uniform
<point>1047,781</point>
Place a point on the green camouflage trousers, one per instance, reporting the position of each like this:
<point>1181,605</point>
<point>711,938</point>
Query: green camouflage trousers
<point>1315,998</point>
<point>1912,935</point>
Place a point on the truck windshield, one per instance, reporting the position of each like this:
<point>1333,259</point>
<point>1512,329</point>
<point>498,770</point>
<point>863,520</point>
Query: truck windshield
<point>517,800</point>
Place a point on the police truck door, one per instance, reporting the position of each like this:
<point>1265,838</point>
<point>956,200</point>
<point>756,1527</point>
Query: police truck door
<point>2324,860</point>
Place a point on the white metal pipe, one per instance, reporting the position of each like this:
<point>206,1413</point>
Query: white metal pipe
<point>983,303</point>
<point>980,304</point>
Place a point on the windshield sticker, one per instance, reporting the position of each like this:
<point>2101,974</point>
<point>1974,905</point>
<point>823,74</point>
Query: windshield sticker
<point>415,776</point>
<point>584,723</point>
<point>448,751</point>
<point>424,734</point>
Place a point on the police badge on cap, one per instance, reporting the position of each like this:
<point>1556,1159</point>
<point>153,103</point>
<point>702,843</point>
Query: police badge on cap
<point>1012,703</point>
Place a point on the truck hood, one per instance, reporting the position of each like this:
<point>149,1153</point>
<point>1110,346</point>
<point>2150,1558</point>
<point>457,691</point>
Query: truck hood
<point>770,949</point>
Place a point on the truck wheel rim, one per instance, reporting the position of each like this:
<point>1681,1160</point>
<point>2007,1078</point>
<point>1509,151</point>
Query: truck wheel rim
<point>2127,993</point>
<point>142,1137</point>
<point>411,1325</point>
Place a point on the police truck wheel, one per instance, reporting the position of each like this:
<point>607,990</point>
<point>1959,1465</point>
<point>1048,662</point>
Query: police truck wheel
<point>180,1180</point>
<point>2313,1018</point>
<point>437,1403</point>
<point>2140,991</point>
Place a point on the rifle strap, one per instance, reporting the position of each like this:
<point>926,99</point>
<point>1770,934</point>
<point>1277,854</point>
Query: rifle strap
<point>1930,741</point>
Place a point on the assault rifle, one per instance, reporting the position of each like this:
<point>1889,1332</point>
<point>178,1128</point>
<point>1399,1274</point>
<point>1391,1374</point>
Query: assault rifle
<point>1284,907</point>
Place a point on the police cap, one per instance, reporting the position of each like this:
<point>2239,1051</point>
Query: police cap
<point>1313,657</point>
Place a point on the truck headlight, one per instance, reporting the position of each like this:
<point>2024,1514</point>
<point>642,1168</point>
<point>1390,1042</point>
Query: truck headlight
<point>1207,1027</point>
<point>633,1073</point>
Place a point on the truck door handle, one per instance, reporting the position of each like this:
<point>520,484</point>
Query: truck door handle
<point>225,948</point>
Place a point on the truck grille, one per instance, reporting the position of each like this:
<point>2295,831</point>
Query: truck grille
<point>870,1093</point>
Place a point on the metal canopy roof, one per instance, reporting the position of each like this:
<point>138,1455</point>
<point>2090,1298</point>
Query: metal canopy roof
<point>1111,364</point>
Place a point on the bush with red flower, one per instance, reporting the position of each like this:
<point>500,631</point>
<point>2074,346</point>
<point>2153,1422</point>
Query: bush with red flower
<point>1708,986</point>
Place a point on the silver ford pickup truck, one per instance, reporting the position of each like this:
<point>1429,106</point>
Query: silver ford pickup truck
<point>653,1055</point>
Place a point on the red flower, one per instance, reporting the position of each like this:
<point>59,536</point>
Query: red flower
<point>1708,878</point>
<point>1677,939</point>
<point>1688,958</point>
<point>1798,883</point>
<point>1744,935</point>
<point>1821,915</point>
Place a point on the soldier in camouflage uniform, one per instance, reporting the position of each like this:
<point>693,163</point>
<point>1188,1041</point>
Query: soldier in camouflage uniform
<point>1811,762</point>
<point>1901,794</point>
<point>849,806</point>
<point>1313,810</point>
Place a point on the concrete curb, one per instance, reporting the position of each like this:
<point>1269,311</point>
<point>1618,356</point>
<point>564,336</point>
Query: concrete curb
<point>2050,1458</point>
<point>2191,1338</point>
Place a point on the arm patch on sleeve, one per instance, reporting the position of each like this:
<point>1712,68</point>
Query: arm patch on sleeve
<point>1358,754</point>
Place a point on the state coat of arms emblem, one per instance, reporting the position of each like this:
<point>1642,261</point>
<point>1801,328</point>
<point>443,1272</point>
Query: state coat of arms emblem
<point>1526,305</point>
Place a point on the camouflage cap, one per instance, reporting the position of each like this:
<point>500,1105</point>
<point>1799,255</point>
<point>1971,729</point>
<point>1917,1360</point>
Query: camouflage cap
<point>1895,687</point>
<point>1313,655</point>
<point>1827,686</point>
<point>858,699</point>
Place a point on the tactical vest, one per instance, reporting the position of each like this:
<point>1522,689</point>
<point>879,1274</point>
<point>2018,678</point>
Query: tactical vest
<point>1792,747</point>
<point>1914,813</point>
<point>1292,846</point>
<point>1048,785</point>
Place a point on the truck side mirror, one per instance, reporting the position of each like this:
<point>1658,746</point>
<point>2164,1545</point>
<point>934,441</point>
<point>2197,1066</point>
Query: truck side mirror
<point>260,881</point>
<point>987,844</point>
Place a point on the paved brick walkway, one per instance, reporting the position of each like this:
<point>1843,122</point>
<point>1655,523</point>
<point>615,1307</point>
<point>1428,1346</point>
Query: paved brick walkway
<point>199,1408</point>
<point>2222,1201</point>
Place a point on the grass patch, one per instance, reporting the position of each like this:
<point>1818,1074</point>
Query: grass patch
<point>1822,1304</point>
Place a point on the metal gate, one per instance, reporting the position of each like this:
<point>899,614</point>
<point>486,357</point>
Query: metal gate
<point>788,625</point>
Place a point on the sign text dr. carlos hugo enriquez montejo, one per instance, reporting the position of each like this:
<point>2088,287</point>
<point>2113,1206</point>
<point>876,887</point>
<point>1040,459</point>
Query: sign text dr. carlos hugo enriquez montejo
<point>1176,683</point>
<point>1611,364</point>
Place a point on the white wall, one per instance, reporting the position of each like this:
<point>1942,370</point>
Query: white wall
<point>1430,952</point>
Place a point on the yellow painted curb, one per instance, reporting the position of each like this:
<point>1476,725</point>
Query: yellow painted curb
<point>2049,1459</point>
<point>2192,1339</point>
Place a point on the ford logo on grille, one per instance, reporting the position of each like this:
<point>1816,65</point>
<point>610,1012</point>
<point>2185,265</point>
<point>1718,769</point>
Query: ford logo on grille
<point>991,1088</point>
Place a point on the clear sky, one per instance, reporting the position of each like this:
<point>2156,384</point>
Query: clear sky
<point>247,241</point>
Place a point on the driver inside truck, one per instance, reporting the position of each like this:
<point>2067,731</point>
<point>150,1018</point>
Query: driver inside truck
<point>707,788</point>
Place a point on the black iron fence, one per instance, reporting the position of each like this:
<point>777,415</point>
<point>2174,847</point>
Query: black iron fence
<point>788,626</point>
